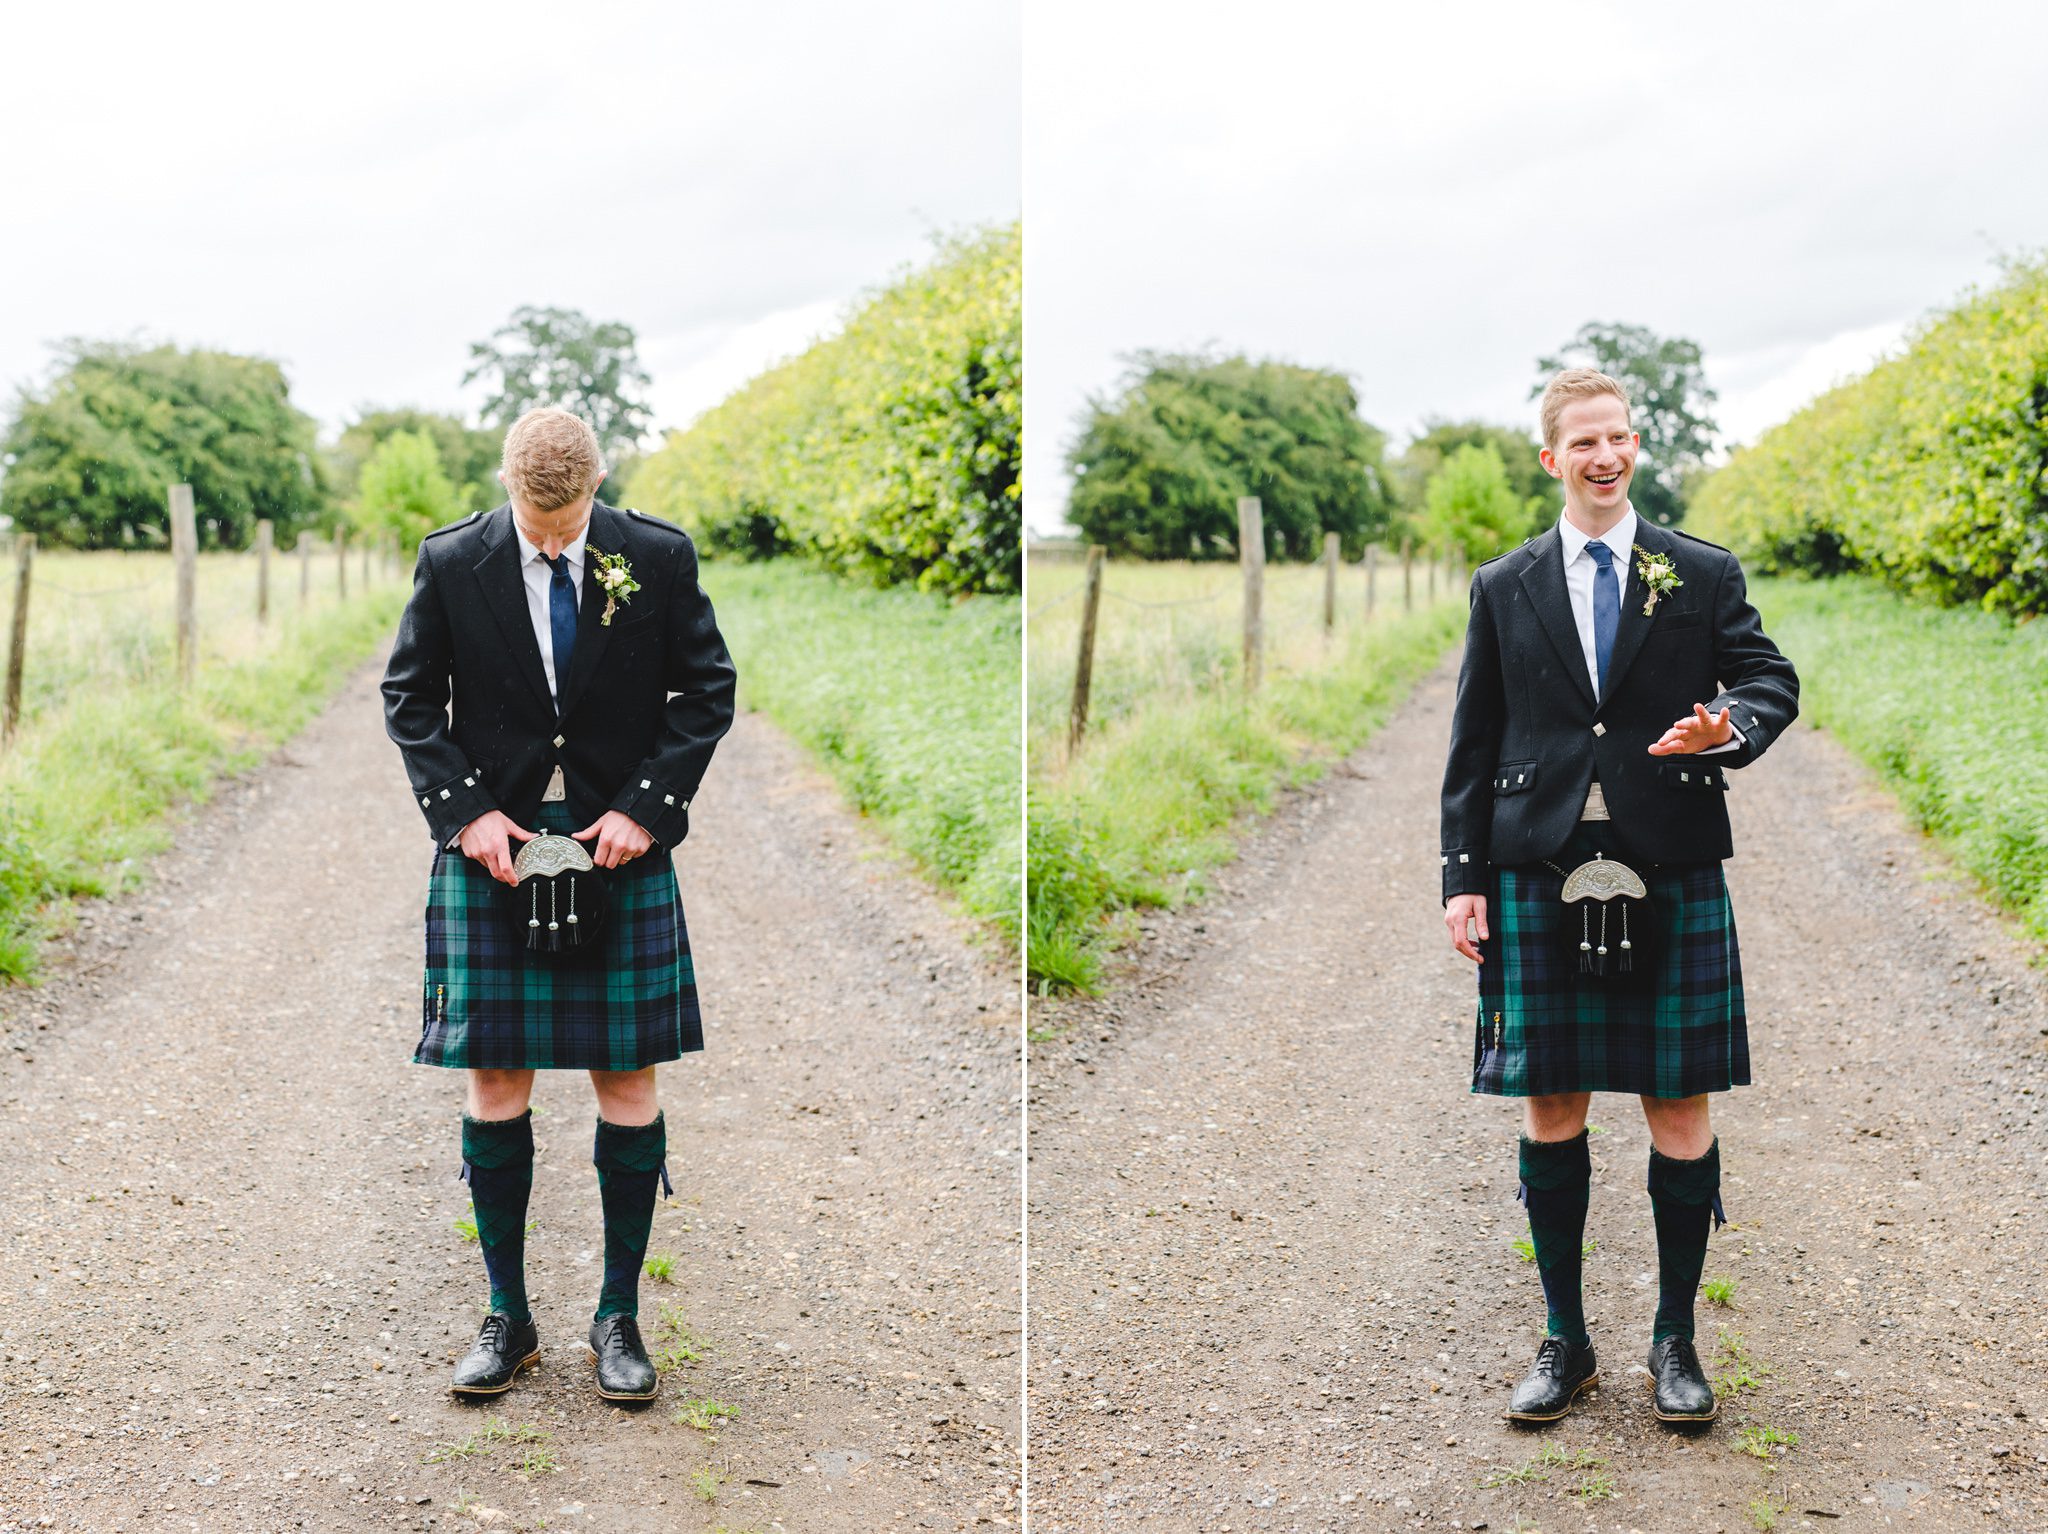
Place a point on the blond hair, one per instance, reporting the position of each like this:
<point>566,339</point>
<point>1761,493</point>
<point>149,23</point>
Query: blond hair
<point>1575,384</point>
<point>551,459</point>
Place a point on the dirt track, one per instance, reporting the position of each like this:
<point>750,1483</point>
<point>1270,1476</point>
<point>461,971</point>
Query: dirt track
<point>231,1288</point>
<point>1272,1283</point>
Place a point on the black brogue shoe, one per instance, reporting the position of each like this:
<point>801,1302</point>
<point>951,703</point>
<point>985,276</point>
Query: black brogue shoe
<point>1680,1392</point>
<point>623,1370</point>
<point>503,1347</point>
<point>1560,1372</point>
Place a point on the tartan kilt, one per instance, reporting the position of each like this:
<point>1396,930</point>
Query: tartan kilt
<point>1543,1027</point>
<point>490,1004</point>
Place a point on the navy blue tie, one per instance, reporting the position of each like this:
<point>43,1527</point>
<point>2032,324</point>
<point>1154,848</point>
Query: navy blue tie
<point>1606,607</point>
<point>562,620</point>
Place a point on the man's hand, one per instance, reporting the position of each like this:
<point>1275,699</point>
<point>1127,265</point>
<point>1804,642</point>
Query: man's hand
<point>1457,911</point>
<point>620,838</point>
<point>1698,731</point>
<point>484,839</point>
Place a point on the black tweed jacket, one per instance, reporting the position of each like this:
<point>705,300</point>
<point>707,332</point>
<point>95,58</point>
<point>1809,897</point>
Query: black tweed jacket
<point>1527,735</point>
<point>647,697</point>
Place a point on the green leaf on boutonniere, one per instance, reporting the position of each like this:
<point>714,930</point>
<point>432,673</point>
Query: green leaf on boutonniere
<point>1657,574</point>
<point>615,575</point>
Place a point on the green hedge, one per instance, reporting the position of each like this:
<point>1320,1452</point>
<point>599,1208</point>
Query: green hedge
<point>891,451</point>
<point>1948,706</point>
<point>1930,471</point>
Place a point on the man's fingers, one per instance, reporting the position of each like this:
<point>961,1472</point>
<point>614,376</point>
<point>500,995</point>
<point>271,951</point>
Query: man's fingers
<point>520,831</point>
<point>588,831</point>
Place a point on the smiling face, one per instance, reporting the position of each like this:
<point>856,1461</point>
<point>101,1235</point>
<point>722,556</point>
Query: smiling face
<point>1595,455</point>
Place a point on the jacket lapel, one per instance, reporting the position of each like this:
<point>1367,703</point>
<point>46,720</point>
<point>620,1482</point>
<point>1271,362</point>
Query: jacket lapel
<point>1633,627</point>
<point>504,589</point>
<point>1543,578</point>
<point>592,632</point>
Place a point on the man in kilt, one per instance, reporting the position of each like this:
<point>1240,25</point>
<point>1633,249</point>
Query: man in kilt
<point>1583,832</point>
<point>590,686</point>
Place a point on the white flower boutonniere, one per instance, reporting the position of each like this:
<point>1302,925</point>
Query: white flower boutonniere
<point>616,576</point>
<point>1657,574</point>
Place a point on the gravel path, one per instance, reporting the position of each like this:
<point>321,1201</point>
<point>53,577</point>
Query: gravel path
<point>1272,1282</point>
<point>232,1289</point>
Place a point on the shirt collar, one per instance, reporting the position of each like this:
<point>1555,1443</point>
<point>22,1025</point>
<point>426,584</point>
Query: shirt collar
<point>530,552</point>
<point>1619,538</point>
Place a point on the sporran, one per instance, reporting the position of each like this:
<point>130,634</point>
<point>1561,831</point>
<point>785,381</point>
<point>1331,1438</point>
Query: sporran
<point>559,902</point>
<point>1611,925</point>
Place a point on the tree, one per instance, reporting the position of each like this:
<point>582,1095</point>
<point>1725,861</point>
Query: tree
<point>1158,470</point>
<point>1668,404</point>
<point>469,456</point>
<point>559,357</point>
<point>90,458</point>
<point>1471,506</point>
<point>1423,458</point>
<point>403,490</point>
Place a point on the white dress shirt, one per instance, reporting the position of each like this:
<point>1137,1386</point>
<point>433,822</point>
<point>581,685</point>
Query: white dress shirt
<point>538,575</point>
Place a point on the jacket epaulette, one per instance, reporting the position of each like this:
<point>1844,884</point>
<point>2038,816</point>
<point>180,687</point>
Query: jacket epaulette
<point>661,522</point>
<point>437,532</point>
<point>1696,538</point>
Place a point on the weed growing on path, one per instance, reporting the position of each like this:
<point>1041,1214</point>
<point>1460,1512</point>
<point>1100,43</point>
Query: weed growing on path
<point>661,1267</point>
<point>1765,1513</point>
<point>1719,1291</point>
<point>537,1458</point>
<point>680,1343</point>
<point>707,1482</point>
<point>703,1415</point>
<point>1595,1483</point>
<point>1760,1439</point>
<point>1739,1371</point>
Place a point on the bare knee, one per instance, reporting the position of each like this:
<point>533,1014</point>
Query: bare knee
<point>625,1097</point>
<point>1555,1116</point>
<point>499,1094</point>
<point>1679,1126</point>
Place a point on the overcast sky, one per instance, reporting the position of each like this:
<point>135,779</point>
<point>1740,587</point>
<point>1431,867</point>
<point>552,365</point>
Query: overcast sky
<point>362,191</point>
<point>1431,196</point>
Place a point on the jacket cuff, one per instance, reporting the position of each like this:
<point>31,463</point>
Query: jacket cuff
<point>662,812</point>
<point>1466,872</point>
<point>452,805</point>
<point>1749,731</point>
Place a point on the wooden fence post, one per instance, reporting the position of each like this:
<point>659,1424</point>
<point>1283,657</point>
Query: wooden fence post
<point>1408,575</point>
<point>1251,558</point>
<point>305,553</point>
<point>24,558</point>
<point>1330,558</point>
<point>185,555</point>
<point>1084,663</point>
<point>341,561</point>
<point>1372,575</point>
<point>265,534</point>
<point>369,547</point>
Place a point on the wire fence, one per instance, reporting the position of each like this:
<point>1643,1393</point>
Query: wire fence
<point>78,621</point>
<point>1178,629</point>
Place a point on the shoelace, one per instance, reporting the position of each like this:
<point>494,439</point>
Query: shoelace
<point>1550,1357</point>
<point>1683,1354</point>
<point>497,1331</point>
<point>621,1329</point>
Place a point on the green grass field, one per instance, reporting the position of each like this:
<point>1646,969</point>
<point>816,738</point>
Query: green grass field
<point>1174,754</point>
<point>910,700</point>
<point>1949,705</point>
<point>109,744</point>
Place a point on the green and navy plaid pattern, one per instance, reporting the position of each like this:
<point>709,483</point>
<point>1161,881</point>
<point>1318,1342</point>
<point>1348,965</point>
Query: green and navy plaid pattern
<point>1543,1027</point>
<point>490,1004</point>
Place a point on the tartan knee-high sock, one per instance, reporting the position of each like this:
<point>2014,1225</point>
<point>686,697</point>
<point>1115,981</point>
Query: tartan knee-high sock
<point>1557,1184</point>
<point>629,1159</point>
<point>1683,1195</point>
<point>497,1160</point>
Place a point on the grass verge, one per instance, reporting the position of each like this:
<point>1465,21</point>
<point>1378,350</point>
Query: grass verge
<point>1949,706</point>
<point>86,790</point>
<point>909,700</point>
<point>1148,805</point>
